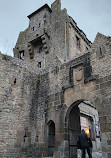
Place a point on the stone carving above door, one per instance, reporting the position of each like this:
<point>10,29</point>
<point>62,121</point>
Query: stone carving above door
<point>78,74</point>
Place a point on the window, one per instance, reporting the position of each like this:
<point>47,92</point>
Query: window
<point>21,55</point>
<point>33,28</point>
<point>39,25</point>
<point>87,49</point>
<point>77,42</point>
<point>39,64</point>
<point>45,21</point>
<point>40,49</point>
<point>15,81</point>
<point>101,51</point>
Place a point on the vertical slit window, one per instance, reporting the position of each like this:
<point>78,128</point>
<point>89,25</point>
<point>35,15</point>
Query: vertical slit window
<point>39,64</point>
<point>40,50</point>
<point>21,55</point>
<point>77,42</point>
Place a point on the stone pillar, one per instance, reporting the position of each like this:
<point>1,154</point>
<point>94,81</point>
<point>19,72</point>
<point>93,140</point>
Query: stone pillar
<point>106,144</point>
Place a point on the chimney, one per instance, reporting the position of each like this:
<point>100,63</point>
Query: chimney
<point>56,5</point>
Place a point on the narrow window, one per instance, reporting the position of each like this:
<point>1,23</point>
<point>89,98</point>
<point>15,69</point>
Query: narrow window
<point>21,55</point>
<point>25,138</point>
<point>77,42</point>
<point>101,51</point>
<point>39,25</point>
<point>33,28</point>
<point>39,64</point>
<point>45,21</point>
<point>87,49</point>
<point>40,49</point>
<point>15,81</point>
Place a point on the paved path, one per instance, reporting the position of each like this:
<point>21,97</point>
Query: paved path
<point>96,155</point>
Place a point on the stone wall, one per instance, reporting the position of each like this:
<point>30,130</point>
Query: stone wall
<point>101,66</point>
<point>74,32</point>
<point>101,53</point>
<point>17,81</point>
<point>30,99</point>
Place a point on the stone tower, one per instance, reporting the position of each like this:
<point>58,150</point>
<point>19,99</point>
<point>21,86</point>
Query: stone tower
<point>51,39</point>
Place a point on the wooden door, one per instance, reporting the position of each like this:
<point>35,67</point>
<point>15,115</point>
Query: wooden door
<point>74,131</point>
<point>51,138</point>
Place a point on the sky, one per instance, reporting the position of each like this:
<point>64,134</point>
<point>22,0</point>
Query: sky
<point>91,16</point>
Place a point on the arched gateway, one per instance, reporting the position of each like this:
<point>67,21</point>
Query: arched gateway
<point>82,115</point>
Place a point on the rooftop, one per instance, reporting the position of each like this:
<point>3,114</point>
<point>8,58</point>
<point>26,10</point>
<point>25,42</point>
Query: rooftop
<point>38,10</point>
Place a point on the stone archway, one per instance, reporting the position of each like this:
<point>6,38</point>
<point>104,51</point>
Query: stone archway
<point>51,137</point>
<point>72,121</point>
<point>81,115</point>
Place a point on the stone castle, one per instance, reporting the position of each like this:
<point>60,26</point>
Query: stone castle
<point>57,83</point>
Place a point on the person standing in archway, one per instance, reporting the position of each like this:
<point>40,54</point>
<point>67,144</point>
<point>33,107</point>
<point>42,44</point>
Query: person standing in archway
<point>90,145</point>
<point>84,144</point>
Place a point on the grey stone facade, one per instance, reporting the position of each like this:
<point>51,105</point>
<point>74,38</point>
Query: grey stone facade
<point>51,38</point>
<point>59,78</point>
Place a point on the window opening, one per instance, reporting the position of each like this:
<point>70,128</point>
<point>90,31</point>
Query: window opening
<point>87,48</point>
<point>40,50</point>
<point>15,81</point>
<point>77,42</point>
<point>25,138</point>
<point>45,21</point>
<point>21,55</point>
<point>39,25</point>
<point>33,28</point>
<point>101,51</point>
<point>39,64</point>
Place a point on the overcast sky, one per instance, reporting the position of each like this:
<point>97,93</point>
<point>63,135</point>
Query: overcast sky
<point>92,16</point>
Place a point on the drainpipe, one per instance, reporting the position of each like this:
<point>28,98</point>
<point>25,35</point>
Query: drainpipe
<point>66,40</point>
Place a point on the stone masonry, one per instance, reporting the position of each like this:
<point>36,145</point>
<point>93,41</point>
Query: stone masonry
<point>55,77</point>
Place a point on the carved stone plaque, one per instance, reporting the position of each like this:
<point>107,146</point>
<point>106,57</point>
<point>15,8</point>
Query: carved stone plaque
<point>78,74</point>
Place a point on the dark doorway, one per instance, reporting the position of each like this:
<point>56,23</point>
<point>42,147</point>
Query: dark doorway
<point>51,138</point>
<point>74,130</point>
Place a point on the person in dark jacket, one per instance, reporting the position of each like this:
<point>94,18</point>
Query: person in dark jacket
<point>90,145</point>
<point>84,144</point>
<point>79,151</point>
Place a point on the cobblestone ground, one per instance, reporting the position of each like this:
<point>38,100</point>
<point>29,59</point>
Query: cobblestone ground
<point>96,155</point>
